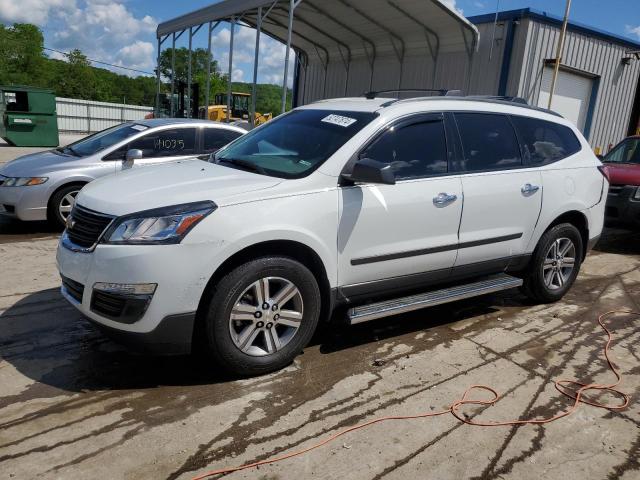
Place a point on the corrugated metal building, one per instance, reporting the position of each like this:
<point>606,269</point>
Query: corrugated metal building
<point>597,86</point>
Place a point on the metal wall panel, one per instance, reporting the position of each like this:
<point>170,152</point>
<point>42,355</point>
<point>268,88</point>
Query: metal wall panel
<point>88,116</point>
<point>599,58</point>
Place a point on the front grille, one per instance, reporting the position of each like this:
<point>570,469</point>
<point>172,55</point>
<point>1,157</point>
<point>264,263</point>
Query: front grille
<point>107,304</point>
<point>9,208</point>
<point>73,288</point>
<point>86,226</point>
<point>615,189</point>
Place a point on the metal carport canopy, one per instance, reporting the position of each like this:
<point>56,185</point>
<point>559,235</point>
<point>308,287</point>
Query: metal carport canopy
<point>338,31</point>
<point>346,27</point>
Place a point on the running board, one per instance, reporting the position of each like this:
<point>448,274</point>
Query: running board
<point>371,311</point>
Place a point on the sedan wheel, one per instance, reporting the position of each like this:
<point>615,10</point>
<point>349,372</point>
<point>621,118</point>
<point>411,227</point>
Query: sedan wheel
<point>66,204</point>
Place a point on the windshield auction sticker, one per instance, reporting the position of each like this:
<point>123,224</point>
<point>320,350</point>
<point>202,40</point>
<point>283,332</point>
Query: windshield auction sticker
<point>140,128</point>
<point>339,120</point>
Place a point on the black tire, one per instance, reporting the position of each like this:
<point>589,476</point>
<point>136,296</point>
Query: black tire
<point>218,342</point>
<point>534,285</point>
<point>54,217</point>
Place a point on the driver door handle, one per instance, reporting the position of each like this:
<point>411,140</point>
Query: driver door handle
<point>444,199</point>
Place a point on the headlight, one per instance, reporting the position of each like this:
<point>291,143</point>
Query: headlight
<point>636,195</point>
<point>23,181</point>
<point>165,225</point>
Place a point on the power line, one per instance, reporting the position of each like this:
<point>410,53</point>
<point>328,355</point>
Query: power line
<point>101,62</point>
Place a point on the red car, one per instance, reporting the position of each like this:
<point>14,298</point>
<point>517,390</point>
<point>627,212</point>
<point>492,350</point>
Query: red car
<point>623,169</point>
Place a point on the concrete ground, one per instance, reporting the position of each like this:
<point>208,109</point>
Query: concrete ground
<point>75,405</point>
<point>7,152</point>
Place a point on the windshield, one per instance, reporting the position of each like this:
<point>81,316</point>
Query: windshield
<point>626,152</point>
<point>295,144</point>
<point>101,140</point>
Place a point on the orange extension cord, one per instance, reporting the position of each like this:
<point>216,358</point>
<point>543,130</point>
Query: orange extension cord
<point>561,386</point>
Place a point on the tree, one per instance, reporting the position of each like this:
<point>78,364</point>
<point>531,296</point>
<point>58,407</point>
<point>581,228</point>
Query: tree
<point>21,54</point>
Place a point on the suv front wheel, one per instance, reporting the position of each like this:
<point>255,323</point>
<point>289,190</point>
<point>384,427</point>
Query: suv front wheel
<point>555,264</point>
<point>261,315</point>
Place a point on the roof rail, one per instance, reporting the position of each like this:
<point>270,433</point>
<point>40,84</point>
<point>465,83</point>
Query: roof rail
<point>442,91</point>
<point>504,98</point>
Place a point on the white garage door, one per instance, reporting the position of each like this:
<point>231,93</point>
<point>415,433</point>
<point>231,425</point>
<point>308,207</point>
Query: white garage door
<point>571,96</point>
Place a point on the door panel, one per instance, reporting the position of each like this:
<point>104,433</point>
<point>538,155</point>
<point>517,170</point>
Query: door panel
<point>498,218</point>
<point>393,230</point>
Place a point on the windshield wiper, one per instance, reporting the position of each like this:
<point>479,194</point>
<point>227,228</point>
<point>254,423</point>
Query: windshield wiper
<point>246,164</point>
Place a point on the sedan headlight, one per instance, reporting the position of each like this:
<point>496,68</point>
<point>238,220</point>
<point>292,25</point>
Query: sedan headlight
<point>165,225</point>
<point>23,181</point>
<point>636,195</point>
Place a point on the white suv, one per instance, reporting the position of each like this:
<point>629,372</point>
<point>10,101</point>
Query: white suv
<point>377,205</point>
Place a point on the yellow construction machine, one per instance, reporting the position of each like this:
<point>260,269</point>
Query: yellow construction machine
<point>239,109</point>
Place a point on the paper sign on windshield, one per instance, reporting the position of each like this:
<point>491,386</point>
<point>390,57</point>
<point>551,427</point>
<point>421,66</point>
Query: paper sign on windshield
<point>339,120</point>
<point>140,128</point>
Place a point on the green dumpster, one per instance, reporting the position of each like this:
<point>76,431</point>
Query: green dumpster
<point>28,117</point>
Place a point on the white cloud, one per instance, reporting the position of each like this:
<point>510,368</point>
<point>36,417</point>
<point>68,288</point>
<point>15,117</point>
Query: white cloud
<point>139,55</point>
<point>105,30</point>
<point>32,11</point>
<point>633,30</point>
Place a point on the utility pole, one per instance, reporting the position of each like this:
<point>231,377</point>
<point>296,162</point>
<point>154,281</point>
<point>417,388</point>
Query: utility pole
<point>559,50</point>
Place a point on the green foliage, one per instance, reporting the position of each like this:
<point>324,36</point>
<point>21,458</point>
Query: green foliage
<point>22,62</point>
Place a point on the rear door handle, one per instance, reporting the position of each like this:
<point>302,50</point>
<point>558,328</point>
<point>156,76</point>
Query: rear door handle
<point>444,199</point>
<point>529,189</point>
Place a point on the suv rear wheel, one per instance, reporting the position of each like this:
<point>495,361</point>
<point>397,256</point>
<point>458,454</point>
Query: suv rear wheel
<point>555,264</point>
<point>261,315</point>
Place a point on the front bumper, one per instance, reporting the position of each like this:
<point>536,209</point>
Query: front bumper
<point>621,209</point>
<point>165,326</point>
<point>24,203</point>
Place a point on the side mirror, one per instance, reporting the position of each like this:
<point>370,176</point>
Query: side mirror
<point>131,156</point>
<point>366,170</point>
<point>600,157</point>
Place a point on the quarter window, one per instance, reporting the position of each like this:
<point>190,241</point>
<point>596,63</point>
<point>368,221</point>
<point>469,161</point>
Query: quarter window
<point>216,138</point>
<point>413,151</point>
<point>489,142</point>
<point>166,143</point>
<point>544,142</point>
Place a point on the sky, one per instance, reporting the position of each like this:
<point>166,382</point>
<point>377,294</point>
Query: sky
<point>122,32</point>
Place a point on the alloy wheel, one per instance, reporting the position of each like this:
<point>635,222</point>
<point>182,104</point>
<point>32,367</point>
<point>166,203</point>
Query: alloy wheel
<point>66,204</point>
<point>266,316</point>
<point>559,263</point>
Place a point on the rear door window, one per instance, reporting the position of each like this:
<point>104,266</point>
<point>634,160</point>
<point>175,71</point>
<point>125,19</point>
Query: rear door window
<point>488,141</point>
<point>544,142</point>
<point>216,138</point>
<point>166,143</point>
<point>415,150</point>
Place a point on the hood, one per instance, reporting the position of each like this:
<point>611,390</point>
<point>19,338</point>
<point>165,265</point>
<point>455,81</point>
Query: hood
<point>157,186</point>
<point>623,173</point>
<point>39,164</point>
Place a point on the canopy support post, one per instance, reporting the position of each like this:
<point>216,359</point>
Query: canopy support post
<point>189,113</point>
<point>208,83</point>
<point>173,72</point>
<point>233,27</point>
<point>156,113</point>
<point>292,6</point>
<point>254,90</point>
